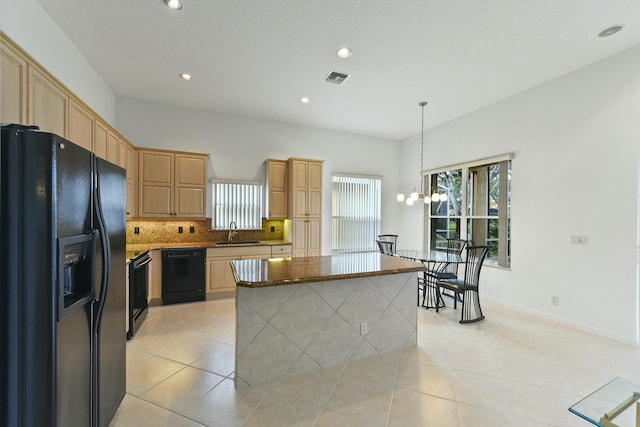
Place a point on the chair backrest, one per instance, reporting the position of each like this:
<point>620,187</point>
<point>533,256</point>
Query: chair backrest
<point>385,246</point>
<point>393,238</point>
<point>455,246</point>
<point>473,264</point>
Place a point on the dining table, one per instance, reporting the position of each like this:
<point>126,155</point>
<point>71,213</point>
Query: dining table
<point>436,262</point>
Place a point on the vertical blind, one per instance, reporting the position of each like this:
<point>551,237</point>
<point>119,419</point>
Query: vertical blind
<point>356,212</point>
<point>239,201</point>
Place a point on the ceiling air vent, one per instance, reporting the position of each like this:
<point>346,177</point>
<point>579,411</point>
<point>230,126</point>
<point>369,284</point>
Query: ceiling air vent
<point>336,77</point>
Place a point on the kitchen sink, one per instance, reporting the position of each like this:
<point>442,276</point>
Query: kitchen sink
<point>236,243</point>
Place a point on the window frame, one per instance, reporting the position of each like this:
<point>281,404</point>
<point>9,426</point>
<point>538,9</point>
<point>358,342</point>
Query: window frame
<point>361,243</point>
<point>240,218</point>
<point>469,181</point>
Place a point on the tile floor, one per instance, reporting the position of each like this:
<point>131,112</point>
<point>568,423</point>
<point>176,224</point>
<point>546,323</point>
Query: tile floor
<point>513,369</point>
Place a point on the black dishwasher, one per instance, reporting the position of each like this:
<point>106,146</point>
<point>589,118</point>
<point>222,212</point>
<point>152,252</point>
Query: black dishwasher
<point>183,275</point>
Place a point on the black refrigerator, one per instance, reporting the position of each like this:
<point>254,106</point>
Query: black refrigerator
<point>62,282</point>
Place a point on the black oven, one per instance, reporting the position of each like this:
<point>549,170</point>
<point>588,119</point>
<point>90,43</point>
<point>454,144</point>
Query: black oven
<point>138,288</point>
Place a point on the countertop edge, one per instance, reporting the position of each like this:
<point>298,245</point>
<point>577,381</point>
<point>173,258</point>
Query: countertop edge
<point>324,278</point>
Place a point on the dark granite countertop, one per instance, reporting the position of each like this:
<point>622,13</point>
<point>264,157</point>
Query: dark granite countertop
<point>134,250</point>
<point>255,273</point>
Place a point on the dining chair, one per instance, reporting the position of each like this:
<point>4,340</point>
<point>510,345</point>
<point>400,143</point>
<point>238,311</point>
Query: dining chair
<point>444,270</point>
<point>393,238</point>
<point>385,246</point>
<point>467,288</point>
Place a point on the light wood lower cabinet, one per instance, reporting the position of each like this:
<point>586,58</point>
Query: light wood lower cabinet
<point>219,272</point>
<point>306,237</point>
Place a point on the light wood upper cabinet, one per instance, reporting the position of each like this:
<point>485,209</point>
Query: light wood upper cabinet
<point>113,145</point>
<point>101,133</point>
<point>132,183</point>
<point>32,96</point>
<point>13,87</point>
<point>172,184</point>
<point>155,187</point>
<point>191,185</point>
<point>305,184</point>
<point>277,189</point>
<point>81,124</point>
<point>47,105</point>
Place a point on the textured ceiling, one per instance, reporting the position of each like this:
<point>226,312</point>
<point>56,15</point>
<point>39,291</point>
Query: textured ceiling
<point>257,58</point>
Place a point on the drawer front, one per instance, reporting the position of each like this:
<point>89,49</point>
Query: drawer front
<point>280,250</point>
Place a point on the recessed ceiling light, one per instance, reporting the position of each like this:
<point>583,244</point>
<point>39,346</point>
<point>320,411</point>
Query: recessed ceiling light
<point>305,100</point>
<point>344,52</point>
<point>186,76</point>
<point>173,4</point>
<point>611,30</point>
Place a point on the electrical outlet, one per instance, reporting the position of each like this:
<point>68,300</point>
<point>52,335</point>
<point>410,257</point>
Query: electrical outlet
<point>577,239</point>
<point>554,301</point>
<point>180,230</point>
<point>364,328</point>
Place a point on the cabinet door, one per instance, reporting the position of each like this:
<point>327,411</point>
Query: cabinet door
<point>47,107</point>
<point>123,154</point>
<point>132,182</point>
<point>314,237</point>
<point>298,188</point>
<point>314,189</point>
<point>113,145</point>
<point>101,134</point>
<point>13,87</point>
<point>220,276</point>
<point>190,185</point>
<point>81,124</point>
<point>306,237</point>
<point>277,194</point>
<point>299,239</point>
<point>155,189</point>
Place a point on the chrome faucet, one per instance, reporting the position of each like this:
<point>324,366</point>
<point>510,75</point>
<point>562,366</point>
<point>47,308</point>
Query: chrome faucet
<point>233,230</point>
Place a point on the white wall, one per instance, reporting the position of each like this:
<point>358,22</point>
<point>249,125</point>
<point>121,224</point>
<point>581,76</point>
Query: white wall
<point>239,145</point>
<point>29,26</point>
<point>576,141</point>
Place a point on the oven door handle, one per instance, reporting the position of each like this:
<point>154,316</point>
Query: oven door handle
<point>142,264</point>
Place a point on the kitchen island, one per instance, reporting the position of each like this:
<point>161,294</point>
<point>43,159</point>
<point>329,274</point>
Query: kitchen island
<point>298,314</point>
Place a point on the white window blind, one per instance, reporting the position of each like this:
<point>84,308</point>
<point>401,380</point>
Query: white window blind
<point>239,201</point>
<point>356,212</point>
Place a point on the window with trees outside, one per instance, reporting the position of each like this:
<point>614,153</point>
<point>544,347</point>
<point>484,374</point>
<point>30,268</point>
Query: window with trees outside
<point>356,212</point>
<point>477,206</point>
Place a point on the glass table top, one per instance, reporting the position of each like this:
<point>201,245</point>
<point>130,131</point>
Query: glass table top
<point>612,405</point>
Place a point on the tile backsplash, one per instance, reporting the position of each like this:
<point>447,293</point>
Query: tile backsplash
<point>162,231</point>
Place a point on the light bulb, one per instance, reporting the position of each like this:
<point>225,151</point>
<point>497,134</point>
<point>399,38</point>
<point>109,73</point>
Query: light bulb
<point>409,201</point>
<point>414,194</point>
<point>173,4</point>
<point>443,197</point>
<point>427,200</point>
<point>400,197</point>
<point>435,197</point>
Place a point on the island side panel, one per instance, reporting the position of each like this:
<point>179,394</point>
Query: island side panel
<point>289,329</point>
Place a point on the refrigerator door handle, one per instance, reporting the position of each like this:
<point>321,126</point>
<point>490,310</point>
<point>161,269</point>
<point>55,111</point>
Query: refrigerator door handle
<point>106,255</point>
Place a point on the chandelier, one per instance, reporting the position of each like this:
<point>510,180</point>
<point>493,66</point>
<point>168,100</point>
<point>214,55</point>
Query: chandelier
<point>414,195</point>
